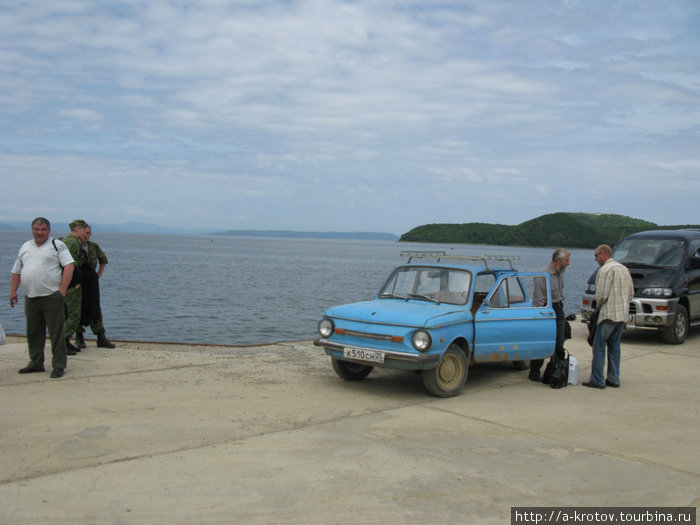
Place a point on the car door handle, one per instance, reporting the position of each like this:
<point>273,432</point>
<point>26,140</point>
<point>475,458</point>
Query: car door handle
<point>547,312</point>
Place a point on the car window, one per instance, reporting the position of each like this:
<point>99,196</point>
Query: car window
<point>440,285</point>
<point>515,292</point>
<point>695,249</point>
<point>484,283</point>
<point>650,252</point>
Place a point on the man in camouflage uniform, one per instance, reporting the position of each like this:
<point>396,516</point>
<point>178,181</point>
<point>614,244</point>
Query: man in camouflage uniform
<point>94,255</point>
<point>74,296</point>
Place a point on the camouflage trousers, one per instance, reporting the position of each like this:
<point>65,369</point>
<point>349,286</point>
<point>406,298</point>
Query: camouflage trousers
<point>96,326</point>
<point>74,300</point>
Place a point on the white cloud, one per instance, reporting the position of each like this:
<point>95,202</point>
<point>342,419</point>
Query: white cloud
<point>182,110</point>
<point>84,114</point>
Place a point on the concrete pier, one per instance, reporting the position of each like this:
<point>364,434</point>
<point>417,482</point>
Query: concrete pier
<point>167,433</point>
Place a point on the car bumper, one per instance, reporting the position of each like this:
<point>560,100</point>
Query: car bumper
<point>644,312</point>
<point>392,359</point>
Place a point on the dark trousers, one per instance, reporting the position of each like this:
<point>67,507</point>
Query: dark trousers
<point>42,313</point>
<point>536,364</point>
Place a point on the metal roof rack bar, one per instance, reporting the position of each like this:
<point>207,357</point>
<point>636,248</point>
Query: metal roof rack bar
<point>423,255</point>
<point>482,258</point>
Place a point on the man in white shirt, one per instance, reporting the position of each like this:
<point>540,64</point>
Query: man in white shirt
<point>44,267</point>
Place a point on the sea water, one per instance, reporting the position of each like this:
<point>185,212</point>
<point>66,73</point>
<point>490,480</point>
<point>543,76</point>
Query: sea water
<point>248,290</point>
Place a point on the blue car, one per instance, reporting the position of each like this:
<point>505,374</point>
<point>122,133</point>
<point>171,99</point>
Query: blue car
<point>438,317</point>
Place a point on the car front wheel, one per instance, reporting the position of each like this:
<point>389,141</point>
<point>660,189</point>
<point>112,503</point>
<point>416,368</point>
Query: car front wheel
<point>350,371</point>
<point>450,375</point>
<point>676,333</point>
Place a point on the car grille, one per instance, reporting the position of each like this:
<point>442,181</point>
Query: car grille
<point>378,337</point>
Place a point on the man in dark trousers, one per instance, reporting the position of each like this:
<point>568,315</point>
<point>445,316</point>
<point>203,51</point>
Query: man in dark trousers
<point>561,258</point>
<point>91,292</point>
<point>44,267</point>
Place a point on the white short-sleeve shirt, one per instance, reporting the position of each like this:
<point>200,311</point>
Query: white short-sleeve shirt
<point>41,267</point>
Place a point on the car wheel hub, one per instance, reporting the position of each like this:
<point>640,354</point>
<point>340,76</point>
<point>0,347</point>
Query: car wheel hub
<point>449,371</point>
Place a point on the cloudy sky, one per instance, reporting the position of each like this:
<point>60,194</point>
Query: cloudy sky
<point>358,115</point>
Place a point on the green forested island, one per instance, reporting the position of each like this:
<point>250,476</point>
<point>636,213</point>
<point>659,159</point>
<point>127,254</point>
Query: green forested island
<point>571,230</point>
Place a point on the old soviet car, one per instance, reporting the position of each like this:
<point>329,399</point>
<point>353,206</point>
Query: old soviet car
<point>438,317</point>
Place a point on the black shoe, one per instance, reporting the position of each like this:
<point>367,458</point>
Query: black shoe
<point>57,372</point>
<point>80,341</point>
<point>103,342</point>
<point>593,385</point>
<point>610,383</point>
<point>70,347</point>
<point>32,369</point>
<point>535,377</point>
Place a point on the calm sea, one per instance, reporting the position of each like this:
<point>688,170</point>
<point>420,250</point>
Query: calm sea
<point>242,290</point>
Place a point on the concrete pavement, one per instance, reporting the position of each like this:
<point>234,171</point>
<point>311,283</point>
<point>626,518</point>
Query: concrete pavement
<point>162,433</point>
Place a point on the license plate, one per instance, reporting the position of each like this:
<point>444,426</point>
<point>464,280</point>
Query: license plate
<point>364,355</point>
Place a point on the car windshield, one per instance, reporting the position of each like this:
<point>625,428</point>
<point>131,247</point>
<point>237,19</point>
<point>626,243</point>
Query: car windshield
<point>649,252</point>
<point>426,283</point>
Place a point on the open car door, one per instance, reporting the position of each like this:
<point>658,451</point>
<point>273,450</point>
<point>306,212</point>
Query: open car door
<point>509,327</point>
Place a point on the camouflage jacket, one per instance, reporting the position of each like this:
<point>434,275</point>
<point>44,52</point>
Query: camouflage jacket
<point>76,250</point>
<point>94,255</point>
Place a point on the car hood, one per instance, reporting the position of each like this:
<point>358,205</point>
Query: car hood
<point>646,277</point>
<point>400,312</point>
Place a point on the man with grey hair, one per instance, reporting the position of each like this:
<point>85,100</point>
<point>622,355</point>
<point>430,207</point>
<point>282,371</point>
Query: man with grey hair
<point>561,258</point>
<point>44,266</point>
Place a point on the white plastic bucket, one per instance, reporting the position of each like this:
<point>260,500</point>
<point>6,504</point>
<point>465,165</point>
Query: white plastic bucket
<point>573,370</point>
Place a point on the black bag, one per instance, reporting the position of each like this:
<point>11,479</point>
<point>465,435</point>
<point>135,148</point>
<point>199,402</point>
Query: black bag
<point>76,279</point>
<point>592,325</point>
<point>556,373</point>
<point>567,325</point>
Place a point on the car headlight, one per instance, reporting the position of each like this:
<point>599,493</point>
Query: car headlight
<point>326,327</point>
<point>590,288</point>
<point>657,292</point>
<point>421,340</point>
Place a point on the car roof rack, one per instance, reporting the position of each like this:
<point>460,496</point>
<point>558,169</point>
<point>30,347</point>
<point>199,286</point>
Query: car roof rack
<point>481,258</point>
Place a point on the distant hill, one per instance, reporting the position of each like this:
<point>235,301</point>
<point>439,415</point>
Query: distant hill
<point>572,230</point>
<point>126,227</point>
<point>150,228</point>
<point>370,236</point>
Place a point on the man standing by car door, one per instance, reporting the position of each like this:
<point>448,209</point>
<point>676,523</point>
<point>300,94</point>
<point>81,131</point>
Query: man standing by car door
<point>613,291</point>
<point>561,258</point>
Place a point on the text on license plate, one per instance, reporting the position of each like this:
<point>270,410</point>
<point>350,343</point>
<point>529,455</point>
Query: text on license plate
<point>364,355</point>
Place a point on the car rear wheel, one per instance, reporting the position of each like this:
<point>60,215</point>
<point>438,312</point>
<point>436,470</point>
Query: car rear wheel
<point>450,375</point>
<point>350,371</point>
<point>676,333</point>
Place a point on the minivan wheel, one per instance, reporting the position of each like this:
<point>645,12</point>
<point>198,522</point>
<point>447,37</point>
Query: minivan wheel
<point>677,331</point>
<point>449,376</point>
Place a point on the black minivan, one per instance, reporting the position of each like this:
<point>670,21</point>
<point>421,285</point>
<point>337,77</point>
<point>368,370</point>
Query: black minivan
<point>665,267</point>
